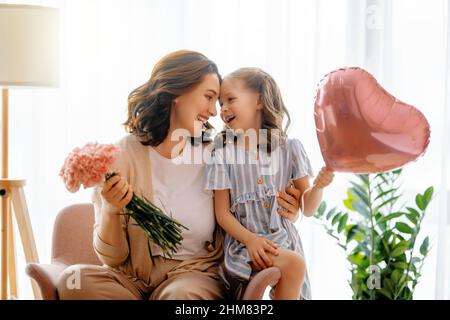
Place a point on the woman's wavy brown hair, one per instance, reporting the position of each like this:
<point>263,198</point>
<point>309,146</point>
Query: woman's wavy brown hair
<point>150,105</point>
<point>274,111</point>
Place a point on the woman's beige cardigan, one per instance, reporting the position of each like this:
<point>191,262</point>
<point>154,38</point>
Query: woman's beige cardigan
<point>132,255</point>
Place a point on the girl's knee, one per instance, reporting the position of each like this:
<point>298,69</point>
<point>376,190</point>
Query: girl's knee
<point>289,260</point>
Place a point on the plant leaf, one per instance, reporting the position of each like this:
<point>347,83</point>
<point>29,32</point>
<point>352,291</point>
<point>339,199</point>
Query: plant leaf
<point>395,276</point>
<point>427,197</point>
<point>399,250</point>
<point>400,265</point>
<point>360,188</point>
<point>413,211</point>
<point>321,209</point>
<point>350,231</point>
<point>386,248</point>
<point>411,217</point>
<point>361,209</point>
<point>403,227</point>
<point>424,246</point>
<point>348,204</point>
<point>362,197</point>
<point>335,219</point>
<point>419,202</point>
<point>330,213</point>
<point>384,193</point>
<point>342,222</point>
<point>364,178</point>
<point>385,293</point>
<point>388,285</point>
<point>391,216</point>
<point>382,176</point>
<point>414,260</point>
<point>393,199</point>
<point>379,223</point>
<point>356,258</point>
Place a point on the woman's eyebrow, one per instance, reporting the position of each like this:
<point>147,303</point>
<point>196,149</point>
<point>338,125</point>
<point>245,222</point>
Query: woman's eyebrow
<point>213,91</point>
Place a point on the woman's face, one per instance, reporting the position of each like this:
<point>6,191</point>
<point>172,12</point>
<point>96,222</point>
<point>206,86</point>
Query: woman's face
<point>194,108</point>
<point>240,107</point>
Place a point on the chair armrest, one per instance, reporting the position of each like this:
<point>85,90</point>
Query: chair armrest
<point>46,276</point>
<point>258,283</point>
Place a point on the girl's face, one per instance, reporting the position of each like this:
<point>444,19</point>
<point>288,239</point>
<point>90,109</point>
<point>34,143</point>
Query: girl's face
<point>196,106</point>
<point>240,106</point>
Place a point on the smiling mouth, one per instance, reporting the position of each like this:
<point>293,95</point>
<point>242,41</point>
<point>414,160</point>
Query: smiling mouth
<point>229,118</point>
<point>202,119</point>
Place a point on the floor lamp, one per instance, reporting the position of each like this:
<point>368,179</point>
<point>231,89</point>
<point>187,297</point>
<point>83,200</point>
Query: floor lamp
<point>29,57</point>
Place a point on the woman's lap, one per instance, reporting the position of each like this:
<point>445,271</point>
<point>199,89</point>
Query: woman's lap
<point>92,282</point>
<point>191,285</point>
<point>86,282</point>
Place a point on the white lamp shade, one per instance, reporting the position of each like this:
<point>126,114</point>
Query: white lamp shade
<point>29,46</point>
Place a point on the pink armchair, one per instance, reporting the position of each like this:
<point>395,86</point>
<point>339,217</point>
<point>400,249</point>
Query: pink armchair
<point>72,244</point>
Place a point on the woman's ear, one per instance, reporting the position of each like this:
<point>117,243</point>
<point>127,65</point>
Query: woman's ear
<point>259,104</point>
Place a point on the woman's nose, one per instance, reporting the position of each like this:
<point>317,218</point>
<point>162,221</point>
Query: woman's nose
<point>212,110</point>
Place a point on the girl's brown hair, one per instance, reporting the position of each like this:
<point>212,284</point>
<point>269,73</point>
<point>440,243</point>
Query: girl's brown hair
<point>274,111</point>
<point>150,105</point>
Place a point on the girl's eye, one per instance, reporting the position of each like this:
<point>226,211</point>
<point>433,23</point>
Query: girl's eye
<point>231,99</point>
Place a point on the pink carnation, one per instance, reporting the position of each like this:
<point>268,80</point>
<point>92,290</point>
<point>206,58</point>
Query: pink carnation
<point>88,165</point>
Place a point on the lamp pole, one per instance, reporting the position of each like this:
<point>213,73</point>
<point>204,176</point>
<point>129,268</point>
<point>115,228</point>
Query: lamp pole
<point>5,199</point>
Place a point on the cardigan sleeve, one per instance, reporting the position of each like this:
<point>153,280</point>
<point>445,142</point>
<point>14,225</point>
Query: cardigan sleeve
<point>111,255</point>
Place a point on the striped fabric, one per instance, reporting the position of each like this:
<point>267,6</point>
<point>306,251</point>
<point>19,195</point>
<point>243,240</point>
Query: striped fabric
<point>254,183</point>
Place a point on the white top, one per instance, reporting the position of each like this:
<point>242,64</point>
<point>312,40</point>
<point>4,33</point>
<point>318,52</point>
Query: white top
<point>178,191</point>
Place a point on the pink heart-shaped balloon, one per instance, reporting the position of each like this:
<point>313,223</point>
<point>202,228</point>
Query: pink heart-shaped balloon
<point>362,128</point>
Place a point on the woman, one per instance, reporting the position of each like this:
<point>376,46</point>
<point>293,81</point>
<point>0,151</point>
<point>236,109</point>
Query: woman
<point>177,101</point>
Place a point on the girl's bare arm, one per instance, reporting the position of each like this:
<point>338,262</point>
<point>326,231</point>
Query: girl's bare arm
<point>312,196</point>
<point>226,219</point>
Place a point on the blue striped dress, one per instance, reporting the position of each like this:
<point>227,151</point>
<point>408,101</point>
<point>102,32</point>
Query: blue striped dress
<point>254,183</point>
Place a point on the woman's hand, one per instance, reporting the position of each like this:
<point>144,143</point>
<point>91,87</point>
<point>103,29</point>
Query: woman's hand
<point>257,247</point>
<point>289,200</point>
<point>117,192</point>
<point>324,178</point>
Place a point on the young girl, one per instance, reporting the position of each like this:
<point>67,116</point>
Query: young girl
<point>258,232</point>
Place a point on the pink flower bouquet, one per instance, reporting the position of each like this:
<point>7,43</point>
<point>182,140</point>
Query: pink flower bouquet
<point>91,165</point>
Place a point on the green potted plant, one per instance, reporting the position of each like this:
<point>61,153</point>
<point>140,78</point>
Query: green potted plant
<point>379,236</point>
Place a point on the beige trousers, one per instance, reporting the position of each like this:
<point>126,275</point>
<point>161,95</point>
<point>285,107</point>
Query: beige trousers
<point>91,282</point>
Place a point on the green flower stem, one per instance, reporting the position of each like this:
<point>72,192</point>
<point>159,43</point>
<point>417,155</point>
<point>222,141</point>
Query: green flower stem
<point>158,227</point>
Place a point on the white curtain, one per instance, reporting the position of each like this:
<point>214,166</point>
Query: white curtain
<point>110,46</point>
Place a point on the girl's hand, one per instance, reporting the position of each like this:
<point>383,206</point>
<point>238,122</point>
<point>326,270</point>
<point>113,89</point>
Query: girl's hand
<point>289,200</point>
<point>257,247</point>
<point>117,192</point>
<point>324,178</point>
